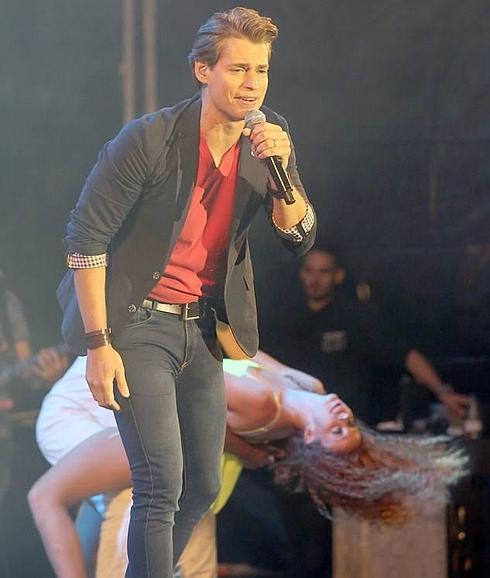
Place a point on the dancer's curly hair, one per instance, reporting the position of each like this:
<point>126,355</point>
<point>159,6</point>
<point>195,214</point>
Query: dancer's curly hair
<point>387,479</point>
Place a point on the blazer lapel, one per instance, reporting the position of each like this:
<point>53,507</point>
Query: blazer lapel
<point>187,155</point>
<point>251,185</point>
<point>186,143</point>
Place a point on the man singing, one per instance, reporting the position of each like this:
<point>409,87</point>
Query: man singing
<point>158,247</point>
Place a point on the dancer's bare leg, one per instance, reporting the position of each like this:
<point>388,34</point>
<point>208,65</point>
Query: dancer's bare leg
<point>199,558</point>
<point>112,555</point>
<point>96,466</point>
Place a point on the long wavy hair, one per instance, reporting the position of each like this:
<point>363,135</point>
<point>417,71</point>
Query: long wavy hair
<point>388,479</point>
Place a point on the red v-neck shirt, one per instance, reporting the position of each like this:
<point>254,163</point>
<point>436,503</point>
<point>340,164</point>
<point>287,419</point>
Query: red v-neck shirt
<point>196,266</point>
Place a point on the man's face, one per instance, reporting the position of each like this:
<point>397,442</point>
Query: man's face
<point>320,275</point>
<point>237,83</point>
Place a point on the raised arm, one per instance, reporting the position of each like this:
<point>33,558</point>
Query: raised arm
<point>296,223</point>
<point>285,375</point>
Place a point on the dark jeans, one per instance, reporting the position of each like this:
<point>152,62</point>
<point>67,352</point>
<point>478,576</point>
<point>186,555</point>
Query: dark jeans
<point>173,428</point>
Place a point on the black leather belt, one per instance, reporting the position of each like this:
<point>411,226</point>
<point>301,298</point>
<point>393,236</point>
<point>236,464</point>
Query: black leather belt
<point>187,311</point>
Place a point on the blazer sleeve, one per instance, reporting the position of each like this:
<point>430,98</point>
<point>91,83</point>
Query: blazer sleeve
<point>308,237</point>
<point>110,191</point>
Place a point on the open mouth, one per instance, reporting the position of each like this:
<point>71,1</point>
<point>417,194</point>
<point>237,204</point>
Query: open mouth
<point>247,99</point>
<point>338,407</point>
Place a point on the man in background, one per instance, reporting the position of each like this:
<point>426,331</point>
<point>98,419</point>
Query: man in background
<point>343,340</point>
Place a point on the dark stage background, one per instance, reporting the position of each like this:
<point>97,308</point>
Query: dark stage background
<point>388,102</point>
<point>389,105</point>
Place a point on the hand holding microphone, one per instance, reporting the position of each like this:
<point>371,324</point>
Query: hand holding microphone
<point>271,144</point>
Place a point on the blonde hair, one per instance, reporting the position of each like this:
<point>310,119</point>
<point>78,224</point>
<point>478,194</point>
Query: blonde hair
<point>238,22</point>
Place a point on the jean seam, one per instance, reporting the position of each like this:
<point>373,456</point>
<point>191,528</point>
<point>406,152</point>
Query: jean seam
<point>187,358</point>
<point>185,460</point>
<point>140,438</point>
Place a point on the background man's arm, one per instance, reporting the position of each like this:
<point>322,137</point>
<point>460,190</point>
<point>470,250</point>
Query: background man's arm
<point>423,371</point>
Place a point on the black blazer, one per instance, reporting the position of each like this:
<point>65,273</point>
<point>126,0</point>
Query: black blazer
<point>134,204</point>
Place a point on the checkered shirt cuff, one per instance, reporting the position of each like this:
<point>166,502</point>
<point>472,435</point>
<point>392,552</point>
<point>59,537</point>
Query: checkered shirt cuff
<point>77,261</point>
<point>297,233</point>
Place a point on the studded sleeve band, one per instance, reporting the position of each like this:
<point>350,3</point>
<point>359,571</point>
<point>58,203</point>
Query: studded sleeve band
<point>78,261</point>
<point>298,232</point>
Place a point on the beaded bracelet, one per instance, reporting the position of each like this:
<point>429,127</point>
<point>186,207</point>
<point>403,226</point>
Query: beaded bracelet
<point>98,338</point>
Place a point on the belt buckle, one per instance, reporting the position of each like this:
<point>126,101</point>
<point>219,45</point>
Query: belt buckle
<point>186,316</point>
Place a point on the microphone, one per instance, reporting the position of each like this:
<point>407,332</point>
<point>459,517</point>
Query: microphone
<point>284,188</point>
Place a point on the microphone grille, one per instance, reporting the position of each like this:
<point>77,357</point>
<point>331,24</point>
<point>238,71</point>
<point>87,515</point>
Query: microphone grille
<point>253,117</point>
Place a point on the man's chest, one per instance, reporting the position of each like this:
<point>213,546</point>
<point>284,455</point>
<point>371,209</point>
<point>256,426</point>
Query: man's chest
<point>332,335</point>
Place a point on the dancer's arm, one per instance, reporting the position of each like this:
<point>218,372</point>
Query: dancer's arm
<point>250,401</point>
<point>289,377</point>
<point>267,361</point>
<point>252,456</point>
<point>96,466</point>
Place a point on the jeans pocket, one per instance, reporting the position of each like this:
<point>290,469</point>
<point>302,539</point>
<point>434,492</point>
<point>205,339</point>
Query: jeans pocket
<point>140,317</point>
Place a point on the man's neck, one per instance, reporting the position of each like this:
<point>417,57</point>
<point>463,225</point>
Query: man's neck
<point>221,137</point>
<point>315,305</point>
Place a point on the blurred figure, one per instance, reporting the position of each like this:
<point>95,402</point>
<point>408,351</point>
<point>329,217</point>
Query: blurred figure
<point>24,379</point>
<point>14,332</point>
<point>343,340</point>
<point>22,375</point>
<point>17,363</point>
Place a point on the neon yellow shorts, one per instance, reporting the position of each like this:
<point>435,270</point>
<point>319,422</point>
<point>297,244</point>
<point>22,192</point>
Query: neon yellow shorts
<point>231,468</point>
